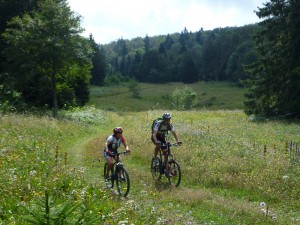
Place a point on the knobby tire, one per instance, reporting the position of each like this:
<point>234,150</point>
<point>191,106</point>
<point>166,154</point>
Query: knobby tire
<point>175,170</point>
<point>123,186</point>
<point>156,170</point>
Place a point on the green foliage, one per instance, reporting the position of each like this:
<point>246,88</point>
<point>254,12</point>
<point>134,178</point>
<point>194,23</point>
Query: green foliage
<point>152,68</point>
<point>243,55</point>
<point>187,69</point>
<point>44,51</point>
<point>185,98</point>
<point>34,159</point>
<point>10,99</point>
<point>214,95</point>
<point>186,56</point>
<point>135,88</point>
<point>100,67</point>
<point>273,86</point>
<point>47,211</point>
<point>8,10</point>
<point>115,79</point>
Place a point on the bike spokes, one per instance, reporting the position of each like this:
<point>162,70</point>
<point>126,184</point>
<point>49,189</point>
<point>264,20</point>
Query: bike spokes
<point>123,182</point>
<point>174,174</point>
<point>156,168</point>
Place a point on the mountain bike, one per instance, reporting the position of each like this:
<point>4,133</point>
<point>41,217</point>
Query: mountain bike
<point>158,167</point>
<point>118,175</point>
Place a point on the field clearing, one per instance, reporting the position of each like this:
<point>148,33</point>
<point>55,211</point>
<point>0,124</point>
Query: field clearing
<point>212,96</point>
<point>234,170</point>
<point>226,171</point>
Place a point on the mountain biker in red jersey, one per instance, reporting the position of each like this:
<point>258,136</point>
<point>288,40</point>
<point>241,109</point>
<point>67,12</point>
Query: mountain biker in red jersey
<point>159,133</point>
<point>112,144</point>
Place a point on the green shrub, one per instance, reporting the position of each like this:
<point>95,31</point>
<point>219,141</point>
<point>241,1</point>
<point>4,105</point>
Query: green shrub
<point>135,88</point>
<point>185,98</point>
<point>115,79</point>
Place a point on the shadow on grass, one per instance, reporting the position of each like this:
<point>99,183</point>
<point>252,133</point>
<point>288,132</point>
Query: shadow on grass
<point>162,185</point>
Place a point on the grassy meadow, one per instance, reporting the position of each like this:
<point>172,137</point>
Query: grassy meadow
<point>212,96</point>
<point>235,170</point>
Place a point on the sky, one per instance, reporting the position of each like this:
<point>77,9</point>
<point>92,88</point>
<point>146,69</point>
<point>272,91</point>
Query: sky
<point>110,20</point>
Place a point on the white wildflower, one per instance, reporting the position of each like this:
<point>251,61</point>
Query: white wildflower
<point>262,204</point>
<point>32,173</point>
<point>153,209</point>
<point>264,211</point>
<point>83,192</point>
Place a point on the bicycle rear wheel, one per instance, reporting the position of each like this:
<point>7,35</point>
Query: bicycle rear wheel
<point>175,172</point>
<point>110,179</point>
<point>156,168</point>
<point>123,182</point>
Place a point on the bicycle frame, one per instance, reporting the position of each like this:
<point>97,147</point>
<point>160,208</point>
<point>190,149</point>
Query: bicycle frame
<point>119,175</point>
<point>158,167</point>
<point>169,155</point>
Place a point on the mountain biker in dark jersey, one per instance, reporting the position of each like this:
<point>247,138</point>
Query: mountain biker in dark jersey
<point>112,144</point>
<point>159,133</point>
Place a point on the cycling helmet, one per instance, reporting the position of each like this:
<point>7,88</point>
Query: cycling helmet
<point>118,130</point>
<point>166,116</point>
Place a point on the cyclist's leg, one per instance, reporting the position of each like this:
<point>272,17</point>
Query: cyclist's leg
<point>157,147</point>
<point>109,164</point>
<point>165,152</point>
<point>164,149</point>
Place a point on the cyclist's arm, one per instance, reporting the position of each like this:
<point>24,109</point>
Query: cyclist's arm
<point>107,143</point>
<point>154,136</point>
<point>174,132</point>
<point>106,146</point>
<point>176,136</point>
<point>125,144</point>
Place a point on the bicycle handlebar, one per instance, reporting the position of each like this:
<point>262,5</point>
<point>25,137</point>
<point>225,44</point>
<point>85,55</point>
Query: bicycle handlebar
<point>175,144</point>
<point>119,153</point>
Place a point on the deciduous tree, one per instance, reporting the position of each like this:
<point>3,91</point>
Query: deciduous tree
<point>46,52</point>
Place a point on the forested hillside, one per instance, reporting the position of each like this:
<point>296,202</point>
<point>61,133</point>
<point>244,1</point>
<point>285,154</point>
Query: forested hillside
<point>214,55</point>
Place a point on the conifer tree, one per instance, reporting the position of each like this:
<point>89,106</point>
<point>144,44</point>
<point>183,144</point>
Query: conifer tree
<point>274,84</point>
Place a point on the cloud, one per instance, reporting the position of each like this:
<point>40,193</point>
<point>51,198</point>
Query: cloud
<point>111,20</point>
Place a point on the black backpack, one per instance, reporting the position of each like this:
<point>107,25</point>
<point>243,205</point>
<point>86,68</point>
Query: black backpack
<point>158,120</point>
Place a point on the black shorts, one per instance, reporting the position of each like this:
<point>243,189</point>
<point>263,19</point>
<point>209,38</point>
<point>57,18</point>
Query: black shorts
<point>162,140</point>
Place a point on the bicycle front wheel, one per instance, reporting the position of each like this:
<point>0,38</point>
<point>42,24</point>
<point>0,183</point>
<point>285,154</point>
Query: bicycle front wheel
<point>156,168</point>
<point>175,173</point>
<point>109,181</point>
<point>123,182</point>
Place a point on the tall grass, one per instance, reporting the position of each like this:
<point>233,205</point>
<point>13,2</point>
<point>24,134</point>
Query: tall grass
<point>211,95</point>
<point>235,171</point>
<point>230,166</point>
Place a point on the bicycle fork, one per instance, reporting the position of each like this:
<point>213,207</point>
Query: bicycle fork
<point>119,172</point>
